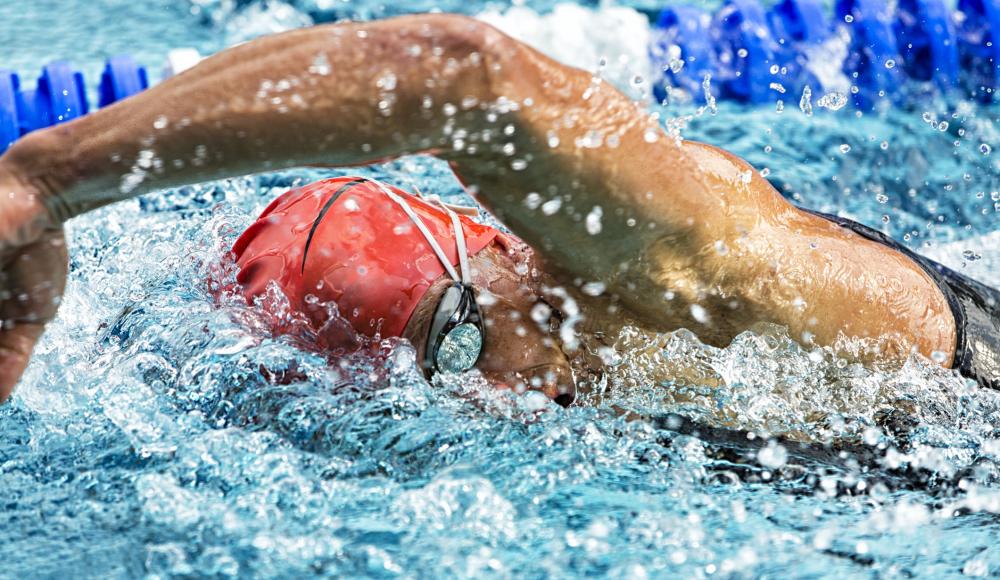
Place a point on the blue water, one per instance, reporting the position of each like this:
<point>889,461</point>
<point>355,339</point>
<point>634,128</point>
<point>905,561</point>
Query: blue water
<point>160,434</point>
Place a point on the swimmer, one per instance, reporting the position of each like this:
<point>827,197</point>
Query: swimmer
<point>635,226</point>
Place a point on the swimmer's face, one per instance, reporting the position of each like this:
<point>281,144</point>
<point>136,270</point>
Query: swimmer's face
<point>520,352</point>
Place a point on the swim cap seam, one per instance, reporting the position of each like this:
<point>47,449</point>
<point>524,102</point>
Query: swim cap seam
<point>322,213</point>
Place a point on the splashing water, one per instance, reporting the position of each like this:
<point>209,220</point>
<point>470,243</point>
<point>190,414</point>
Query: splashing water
<point>162,432</point>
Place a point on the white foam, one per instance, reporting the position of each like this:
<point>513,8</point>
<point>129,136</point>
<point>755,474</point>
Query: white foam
<point>584,37</point>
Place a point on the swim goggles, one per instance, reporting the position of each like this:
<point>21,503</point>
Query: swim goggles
<point>457,333</point>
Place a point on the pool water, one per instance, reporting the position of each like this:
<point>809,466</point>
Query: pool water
<point>158,433</point>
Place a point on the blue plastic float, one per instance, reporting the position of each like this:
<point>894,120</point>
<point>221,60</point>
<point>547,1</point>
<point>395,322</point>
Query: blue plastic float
<point>60,95</point>
<point>682,46</point>
<point>920,40</point>
<point>978,32</point>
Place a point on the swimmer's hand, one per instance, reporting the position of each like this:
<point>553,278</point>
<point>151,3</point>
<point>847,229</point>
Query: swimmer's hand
<point>33,266</point>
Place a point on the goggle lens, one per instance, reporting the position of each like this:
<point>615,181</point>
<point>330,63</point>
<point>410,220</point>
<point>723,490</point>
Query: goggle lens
<point>460,349</point>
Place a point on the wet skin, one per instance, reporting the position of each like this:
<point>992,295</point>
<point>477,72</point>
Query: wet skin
<point>522,350</point>
<point>690,235</point>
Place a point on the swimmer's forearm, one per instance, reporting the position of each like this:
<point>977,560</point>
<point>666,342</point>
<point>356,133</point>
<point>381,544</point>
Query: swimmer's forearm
<point>345,94</point>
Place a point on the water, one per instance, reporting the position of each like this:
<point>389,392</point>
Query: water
<point>158,433</point>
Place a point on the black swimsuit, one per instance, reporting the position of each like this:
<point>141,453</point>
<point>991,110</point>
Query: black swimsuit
<point>976,308</point>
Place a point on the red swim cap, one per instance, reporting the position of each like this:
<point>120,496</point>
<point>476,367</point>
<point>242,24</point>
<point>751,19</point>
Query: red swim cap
<point>364,253</point>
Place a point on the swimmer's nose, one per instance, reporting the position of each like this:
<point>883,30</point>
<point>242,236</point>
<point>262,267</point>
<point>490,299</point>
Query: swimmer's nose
<point>556,381</point>
<point>565,399</point>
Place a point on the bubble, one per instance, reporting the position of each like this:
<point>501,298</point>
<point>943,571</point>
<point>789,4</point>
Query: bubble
<point>985,149</point>
<point>845,148</point>
<point>890,64</point>
<point>742,53</point>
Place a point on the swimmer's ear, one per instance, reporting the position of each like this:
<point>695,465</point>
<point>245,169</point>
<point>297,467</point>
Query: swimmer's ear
<point>511,245</point>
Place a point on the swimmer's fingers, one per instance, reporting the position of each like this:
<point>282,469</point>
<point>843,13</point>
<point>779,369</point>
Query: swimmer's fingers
<point>32,279</point>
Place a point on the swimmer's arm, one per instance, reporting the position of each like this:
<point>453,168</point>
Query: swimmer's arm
<point>512,122</point>
<point>344,94</point>
<point>570,164</point>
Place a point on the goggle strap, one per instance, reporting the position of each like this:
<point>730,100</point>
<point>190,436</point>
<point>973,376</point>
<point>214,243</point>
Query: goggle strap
<point>463,256</point>
<point>423,230</point>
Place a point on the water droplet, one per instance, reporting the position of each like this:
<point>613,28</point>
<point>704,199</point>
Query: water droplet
<point>320,65</point>
<point>552,206</point>
<point>773,456</point>
<point>971,256</point>
<point>699,313</point>
<point>845,148</point>
<point>805,103</point>
<point>541,313</point>
<point>833,101</point>
<point>593,221</point>
<point>532,200</point>
<point>985,149</point>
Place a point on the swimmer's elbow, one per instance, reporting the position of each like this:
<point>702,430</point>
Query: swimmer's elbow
<point>457,38</point>
<point>463,34</point>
